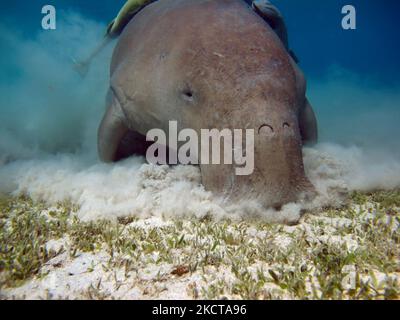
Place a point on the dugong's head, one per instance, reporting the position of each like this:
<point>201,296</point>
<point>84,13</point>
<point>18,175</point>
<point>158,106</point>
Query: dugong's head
<point>217,65</point>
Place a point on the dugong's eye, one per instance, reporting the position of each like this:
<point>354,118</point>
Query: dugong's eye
<point>187,94</point>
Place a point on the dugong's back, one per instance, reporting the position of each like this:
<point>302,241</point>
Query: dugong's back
<point>196,29</point>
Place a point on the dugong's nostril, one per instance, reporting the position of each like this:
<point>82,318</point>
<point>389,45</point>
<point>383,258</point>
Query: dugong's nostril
<point>266,129</point>
<point>286,125</point>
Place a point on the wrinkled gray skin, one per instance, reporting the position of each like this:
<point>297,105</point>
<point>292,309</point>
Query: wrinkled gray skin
<point>212,64</point>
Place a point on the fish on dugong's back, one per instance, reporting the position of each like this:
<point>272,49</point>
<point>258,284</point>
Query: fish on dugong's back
<point>212,64</point>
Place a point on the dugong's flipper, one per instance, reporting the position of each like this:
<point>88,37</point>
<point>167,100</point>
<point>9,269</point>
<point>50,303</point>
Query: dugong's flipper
<point>115,140</point>
<point>308,124</point>
<point>112,129</point>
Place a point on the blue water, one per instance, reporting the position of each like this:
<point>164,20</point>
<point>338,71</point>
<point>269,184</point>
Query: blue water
<point>314,29</point>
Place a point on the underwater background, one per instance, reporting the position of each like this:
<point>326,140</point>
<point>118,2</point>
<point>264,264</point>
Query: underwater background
<point>49,114</point>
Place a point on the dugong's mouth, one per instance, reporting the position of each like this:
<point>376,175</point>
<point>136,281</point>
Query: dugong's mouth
<point>256,187</point>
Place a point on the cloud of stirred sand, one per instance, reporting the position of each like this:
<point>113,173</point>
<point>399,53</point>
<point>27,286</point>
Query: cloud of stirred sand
<point>49,118</point>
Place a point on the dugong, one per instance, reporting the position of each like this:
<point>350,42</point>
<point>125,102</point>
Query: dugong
<point>212,64</point>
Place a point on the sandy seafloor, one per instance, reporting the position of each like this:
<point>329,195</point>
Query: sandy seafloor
<point>99,275</point>
<point>170,239</point>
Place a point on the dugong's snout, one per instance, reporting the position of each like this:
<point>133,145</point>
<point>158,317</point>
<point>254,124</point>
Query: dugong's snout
<point>278,176</point>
